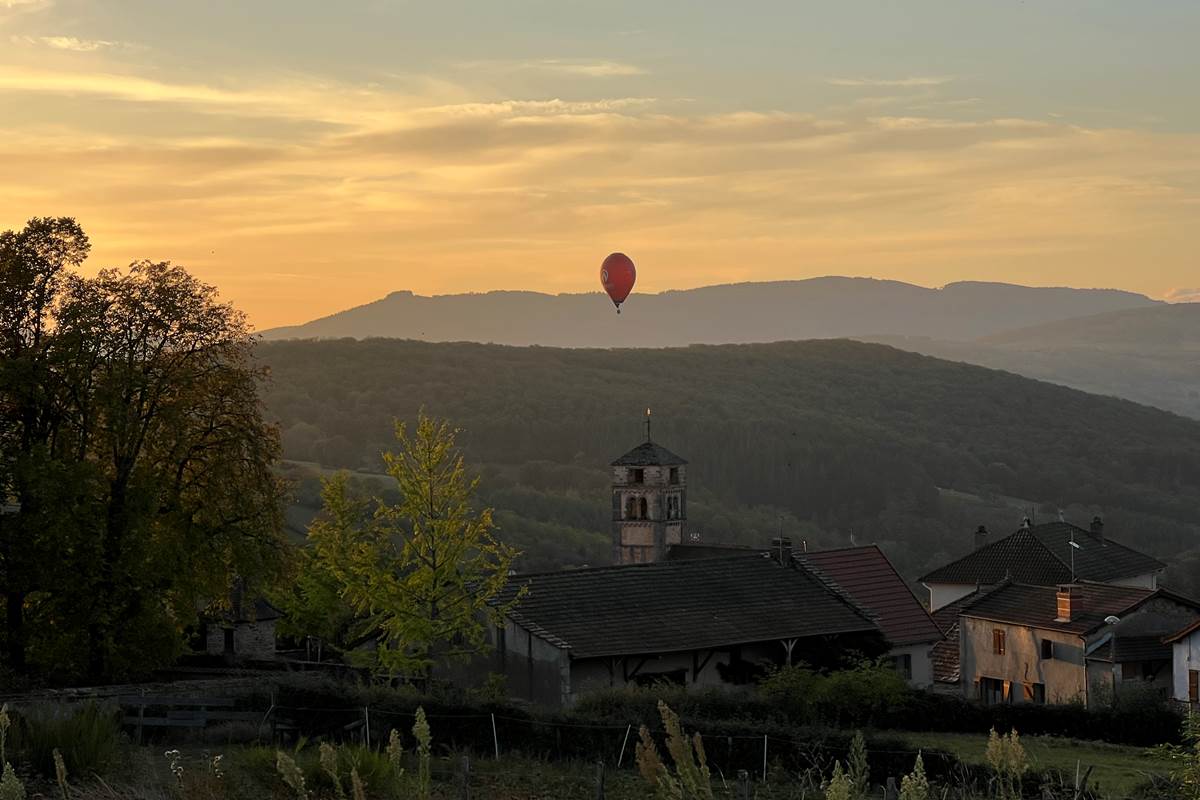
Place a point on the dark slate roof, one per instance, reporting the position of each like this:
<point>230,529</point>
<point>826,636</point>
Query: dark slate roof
<point>1140,648</point>
<point>649,454</point>
<point>1037,606</point>
<point>1041,556</point>
<point>673,606</point>
<point>867,575</point>
<point>678,552</point>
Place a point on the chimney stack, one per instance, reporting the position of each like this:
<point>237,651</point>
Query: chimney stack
<point>981,536</point>
<point>1098,528</point>
<point>1069,602</point>
<point>781,550</point>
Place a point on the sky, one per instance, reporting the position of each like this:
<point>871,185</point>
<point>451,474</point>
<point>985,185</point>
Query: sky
<point>309,156</point>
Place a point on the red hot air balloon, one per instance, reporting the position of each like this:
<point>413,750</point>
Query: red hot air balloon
<point>617,275</point>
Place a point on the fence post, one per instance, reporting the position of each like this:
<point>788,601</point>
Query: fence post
<point>764,758</point>
<point>743,785</point>
<point>367,725</point>
<point>495,737</point>
<point>141,714</point>
<point>600,779</point>
<point>464,786</point>
<point>624,742</point>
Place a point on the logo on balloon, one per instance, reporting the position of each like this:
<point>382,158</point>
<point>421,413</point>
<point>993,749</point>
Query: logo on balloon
<point>604,275</point>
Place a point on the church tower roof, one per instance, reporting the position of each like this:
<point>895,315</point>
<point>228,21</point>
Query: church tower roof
<point>648,454</point>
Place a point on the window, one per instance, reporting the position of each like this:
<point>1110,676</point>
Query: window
<point>998,641</point>
<point>673,506</point>
<point>630,508</point>
<point>1194,685</point>
<point>1047,649</point>
<point>1035,692</point>
<point>643,508</point>
<point>674,476</point>
<point>637,476</point>
<point>903,665</point>
<point>993,691</point>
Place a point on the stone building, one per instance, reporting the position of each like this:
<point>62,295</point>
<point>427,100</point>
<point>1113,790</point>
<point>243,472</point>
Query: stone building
<point>649,503</point>
<point>1082,642</point>
<point>245,633</point>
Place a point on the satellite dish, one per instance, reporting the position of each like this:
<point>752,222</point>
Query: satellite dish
<point>1111,620</point>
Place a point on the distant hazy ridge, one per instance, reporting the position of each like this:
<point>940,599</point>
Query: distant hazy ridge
<point>729,314</point>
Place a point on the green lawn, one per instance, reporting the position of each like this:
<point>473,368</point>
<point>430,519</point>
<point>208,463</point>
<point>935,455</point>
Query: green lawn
<point>1117,769</point>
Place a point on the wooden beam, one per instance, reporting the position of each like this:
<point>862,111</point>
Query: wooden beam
<point>631,675</point>
<point>698,665</point>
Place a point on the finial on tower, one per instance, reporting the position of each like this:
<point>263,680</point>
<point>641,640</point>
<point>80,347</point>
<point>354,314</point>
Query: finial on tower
<point>647,423</point>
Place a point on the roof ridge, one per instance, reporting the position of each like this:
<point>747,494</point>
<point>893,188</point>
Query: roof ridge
<point>665,563</point>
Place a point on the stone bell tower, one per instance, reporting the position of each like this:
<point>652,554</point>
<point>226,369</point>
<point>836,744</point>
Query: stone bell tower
<point>649,502</point>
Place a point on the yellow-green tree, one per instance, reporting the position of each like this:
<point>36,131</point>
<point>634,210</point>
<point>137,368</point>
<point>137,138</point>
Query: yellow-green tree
<point>424,569</point>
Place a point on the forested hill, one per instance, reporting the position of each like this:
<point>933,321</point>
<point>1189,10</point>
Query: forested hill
<point>734,313</point>
<point>841,437</point>
<point>1148,355</point>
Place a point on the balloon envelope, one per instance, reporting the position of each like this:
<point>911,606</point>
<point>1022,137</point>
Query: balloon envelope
<point>617,275</point>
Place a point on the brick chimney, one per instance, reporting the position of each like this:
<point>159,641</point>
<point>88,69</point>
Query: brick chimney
<point>1098,528</point>
<point>781,550</point>
<point>981,536</point>
<point>1069,602</point>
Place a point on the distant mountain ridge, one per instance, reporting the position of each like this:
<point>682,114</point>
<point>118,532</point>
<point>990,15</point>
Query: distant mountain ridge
<point>817,308</point>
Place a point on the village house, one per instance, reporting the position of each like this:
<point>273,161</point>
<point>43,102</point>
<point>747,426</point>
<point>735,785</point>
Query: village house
<point>1185,665</point>
<point>867,575</point>
<point>1082,642</point>
<point>245,632</point>
<point>1042,555</point>
<point>700,622</point>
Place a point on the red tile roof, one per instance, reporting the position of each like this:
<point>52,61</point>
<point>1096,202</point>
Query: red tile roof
<point>1037,606</point>
<point>867,576</point>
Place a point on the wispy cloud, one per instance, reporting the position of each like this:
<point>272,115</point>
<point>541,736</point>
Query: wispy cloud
<point>72,43</point>
<point>911,82</point>
<point>585,67</point>
<point>13,5</point>
<point>1182,295</point>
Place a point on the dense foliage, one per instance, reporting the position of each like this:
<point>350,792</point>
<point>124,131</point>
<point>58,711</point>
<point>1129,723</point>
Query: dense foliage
<point>132,443</point>
<point>826,439</point>
<point>419,574</point>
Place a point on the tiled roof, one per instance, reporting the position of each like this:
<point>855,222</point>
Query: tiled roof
<point>1140,648</point>
<point>678,552</point>
<point>648,454</point>
<point>867,575</point>
<point>1037,606</point>
<point>673,606</point>
<point>945,654</point>
<point>1041,556</point>
<point>1184,632</point>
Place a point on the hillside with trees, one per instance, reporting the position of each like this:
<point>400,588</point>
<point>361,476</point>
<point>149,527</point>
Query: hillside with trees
<point>824,440</point>
<point>1148,355</point>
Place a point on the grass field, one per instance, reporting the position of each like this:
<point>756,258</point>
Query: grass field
<point>1116,769</point>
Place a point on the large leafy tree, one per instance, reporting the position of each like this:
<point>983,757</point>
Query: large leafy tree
<point>424,569</point>
<point>145,463</point>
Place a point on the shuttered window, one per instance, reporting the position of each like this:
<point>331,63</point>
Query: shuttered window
<point>998,642</point>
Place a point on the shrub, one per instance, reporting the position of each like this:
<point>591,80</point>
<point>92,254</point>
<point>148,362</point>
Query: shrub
<point>839,786</point>
<point>691,779</point>
<point>914,785</point>
<point>1006,755</point>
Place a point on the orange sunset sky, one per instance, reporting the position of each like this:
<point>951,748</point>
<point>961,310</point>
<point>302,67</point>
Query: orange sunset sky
<point>308,156</point>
